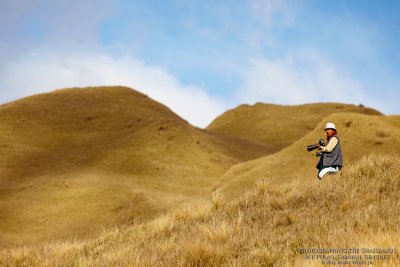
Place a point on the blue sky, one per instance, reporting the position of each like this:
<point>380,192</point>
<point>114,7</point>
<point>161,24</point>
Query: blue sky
<point>202,57</point>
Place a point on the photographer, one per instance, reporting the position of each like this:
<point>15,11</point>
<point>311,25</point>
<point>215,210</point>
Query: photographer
<point>331,160</point>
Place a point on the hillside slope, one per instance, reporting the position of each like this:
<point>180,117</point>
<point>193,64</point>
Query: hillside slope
<point>278,125</point>
<point>267,227</point>
<point>359,134</point>
<point>80,159</point>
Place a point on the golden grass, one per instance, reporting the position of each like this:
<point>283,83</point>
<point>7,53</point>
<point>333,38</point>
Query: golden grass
<point>86,158</point>
<point>358,208</point>
<point>295,163</point>
<point>76,163</point>
<point>278,125</point>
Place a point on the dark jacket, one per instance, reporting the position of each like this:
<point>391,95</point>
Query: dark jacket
<point>332,159</point>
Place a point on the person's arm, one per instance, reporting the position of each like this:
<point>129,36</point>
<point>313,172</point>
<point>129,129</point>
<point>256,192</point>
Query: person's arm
<point>330,146</point>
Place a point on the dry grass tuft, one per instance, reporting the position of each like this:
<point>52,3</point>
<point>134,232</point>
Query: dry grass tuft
<point>358,208</point>
<point>382,134</point>
<point>348,124</point>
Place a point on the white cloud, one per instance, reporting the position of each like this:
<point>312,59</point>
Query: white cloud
<point>42,71</point>
<point>272,11</point>
<point>303,78</point>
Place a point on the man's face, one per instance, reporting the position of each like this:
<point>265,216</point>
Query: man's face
<point>329,132</point>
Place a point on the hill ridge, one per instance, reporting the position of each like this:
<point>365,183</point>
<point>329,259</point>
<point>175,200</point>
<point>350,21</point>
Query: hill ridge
<point>111,153</point>
<point>278,125</point>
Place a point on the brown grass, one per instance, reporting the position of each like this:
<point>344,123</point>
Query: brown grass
<point>279,125</point>
<point>102,177</point>
<point>86,158</point>
<point>358,208</point>
<point>295,163</point>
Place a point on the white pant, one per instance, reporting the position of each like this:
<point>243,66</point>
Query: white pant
<point>327,170</point>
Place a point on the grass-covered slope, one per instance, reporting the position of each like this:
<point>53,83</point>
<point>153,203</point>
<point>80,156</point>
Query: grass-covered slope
<point>278,125</point>
<point>358,208</point>
<point>359,134</point>
<point>75,160</point>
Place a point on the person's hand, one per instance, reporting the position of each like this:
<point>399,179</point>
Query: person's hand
<point>319,148</point>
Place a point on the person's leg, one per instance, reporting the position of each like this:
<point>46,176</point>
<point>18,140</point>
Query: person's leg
<point>327,170</point>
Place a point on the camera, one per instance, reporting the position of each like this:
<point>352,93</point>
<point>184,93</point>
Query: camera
<point>315,146</point>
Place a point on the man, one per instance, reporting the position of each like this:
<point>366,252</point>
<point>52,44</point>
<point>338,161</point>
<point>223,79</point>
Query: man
<point>331,160</point>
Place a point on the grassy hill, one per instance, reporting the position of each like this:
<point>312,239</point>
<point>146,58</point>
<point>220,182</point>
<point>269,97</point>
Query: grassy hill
<point>105,176</point>
<point>278,125</point>
<point>76,160</point>
<point>359,134</point>
<point>359,208</point>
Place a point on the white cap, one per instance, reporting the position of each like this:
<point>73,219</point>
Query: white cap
<point>330,125</point>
